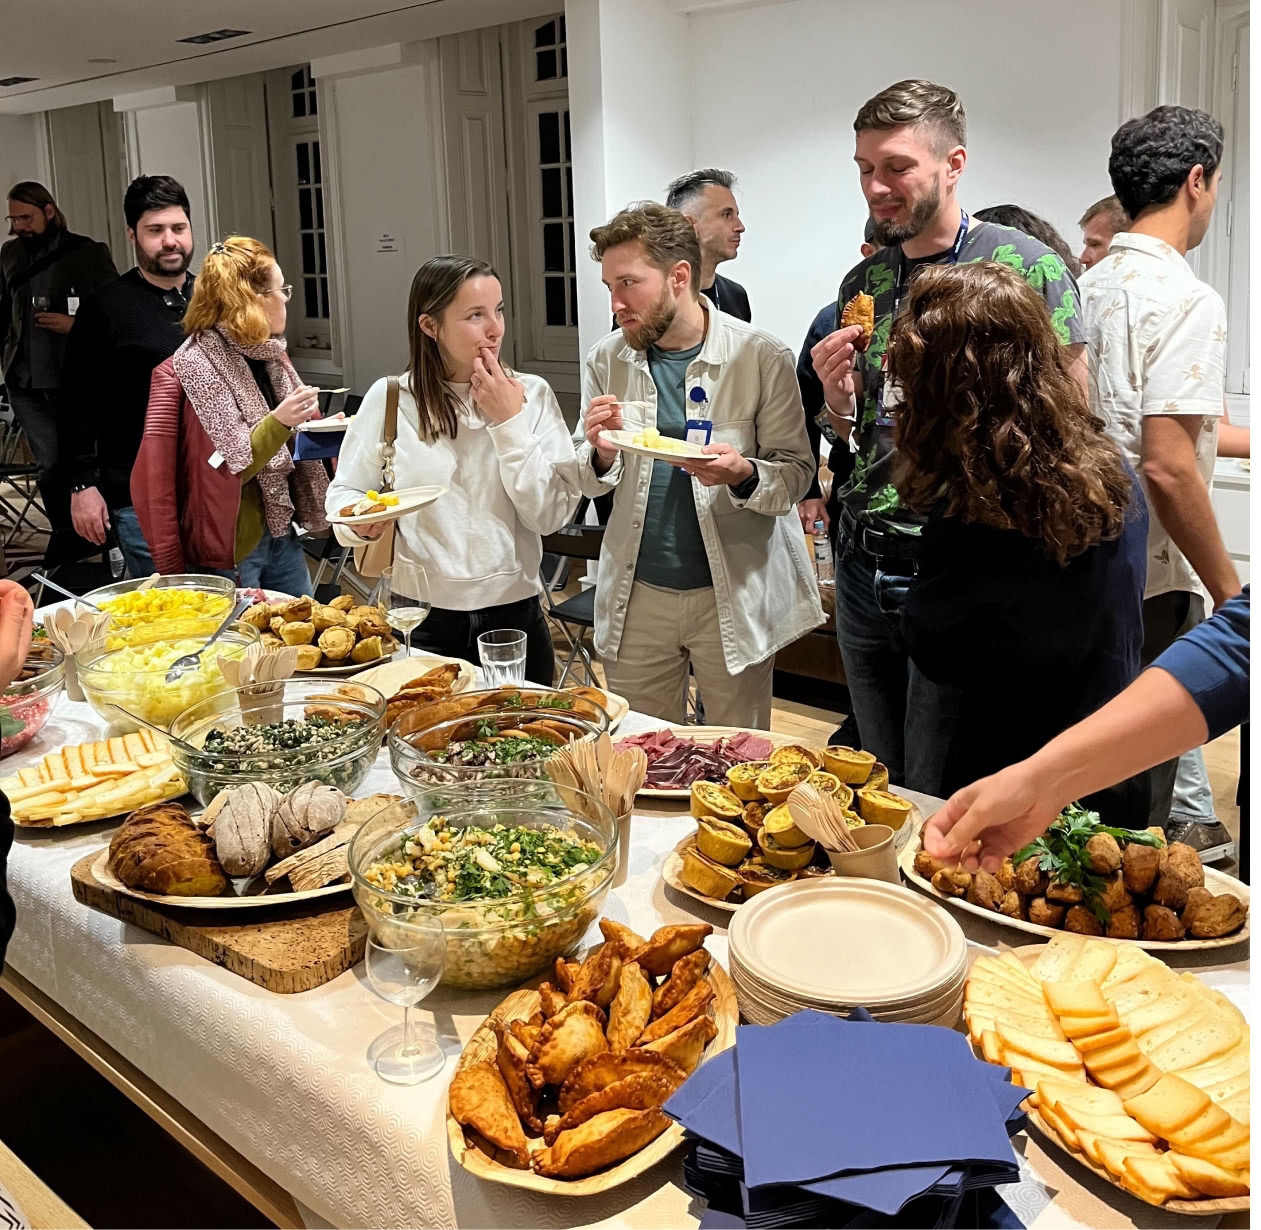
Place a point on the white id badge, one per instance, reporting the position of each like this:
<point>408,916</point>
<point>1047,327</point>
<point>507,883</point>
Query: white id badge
<point>215,459</point>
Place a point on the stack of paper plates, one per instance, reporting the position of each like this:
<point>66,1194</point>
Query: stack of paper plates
<point>835,944</point>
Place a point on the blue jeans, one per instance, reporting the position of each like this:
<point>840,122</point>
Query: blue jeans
<point>904,717</point>
<point>137,561</point>
<point>276,563</point>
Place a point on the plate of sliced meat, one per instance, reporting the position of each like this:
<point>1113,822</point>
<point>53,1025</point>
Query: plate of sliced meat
<point>681,755</point>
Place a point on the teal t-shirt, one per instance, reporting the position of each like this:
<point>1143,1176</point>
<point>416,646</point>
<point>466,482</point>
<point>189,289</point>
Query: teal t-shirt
<point>671,552</point>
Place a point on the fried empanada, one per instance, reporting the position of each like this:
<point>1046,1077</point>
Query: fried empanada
<point>600,1142</point>
<point>667,945</point>
<point>631,1008</point>
<point>598,976</point>
<point>512,1056</point>
<point>860,310</point>
<point>550,1000</point>
<point>575,1033</point>
<point>685,1046</point>
<point>602,1070</point>
<point>526,1032</point>
<point>642,1091</point>
<point>564,973</point>
<point>687,972</point>
<point>479,1099</point>
<point>620,933</point>
<point>688,1008</point>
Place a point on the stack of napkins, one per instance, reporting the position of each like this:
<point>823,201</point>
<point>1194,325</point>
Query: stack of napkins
<point>822,1121</point>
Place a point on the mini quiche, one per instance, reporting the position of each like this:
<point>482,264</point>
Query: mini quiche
<point>742,779</point>
<point>711,799</point>
<point>792,753</point>
<point>780,780</point>
<point>852,766</point>
<point>881,807</point>
<point>724,843</point>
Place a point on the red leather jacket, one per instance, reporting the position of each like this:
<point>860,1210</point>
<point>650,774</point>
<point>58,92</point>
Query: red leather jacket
<point>187,508</point>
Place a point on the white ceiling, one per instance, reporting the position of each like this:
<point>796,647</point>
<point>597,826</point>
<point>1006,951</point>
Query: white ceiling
<point>55,42</point>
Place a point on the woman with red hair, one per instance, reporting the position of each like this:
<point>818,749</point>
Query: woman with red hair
<point>215,484</point>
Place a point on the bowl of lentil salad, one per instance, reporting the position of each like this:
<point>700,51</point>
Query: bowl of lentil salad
<point>514,873</point>
<point>302,730</point>
<point>489,745</point>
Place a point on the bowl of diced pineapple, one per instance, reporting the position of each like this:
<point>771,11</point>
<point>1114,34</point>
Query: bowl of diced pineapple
<point>125,681</point>
<point>196,602</point>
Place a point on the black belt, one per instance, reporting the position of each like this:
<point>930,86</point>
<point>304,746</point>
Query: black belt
<point>877,543</point>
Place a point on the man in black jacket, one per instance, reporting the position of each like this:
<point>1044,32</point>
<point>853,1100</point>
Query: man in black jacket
<point>45,271</point>
<point>706,199</point>
<point>123,332</point>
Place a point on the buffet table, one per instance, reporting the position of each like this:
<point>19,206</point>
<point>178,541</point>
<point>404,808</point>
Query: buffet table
<point>275,1092</point>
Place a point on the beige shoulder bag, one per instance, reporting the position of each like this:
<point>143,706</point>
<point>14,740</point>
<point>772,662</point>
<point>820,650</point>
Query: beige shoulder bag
<point>374,557</point>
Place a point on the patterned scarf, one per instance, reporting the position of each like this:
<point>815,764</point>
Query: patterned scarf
<point>229,404</point>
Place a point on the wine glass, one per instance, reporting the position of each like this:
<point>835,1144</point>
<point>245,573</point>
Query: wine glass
<point>405,961</point>
<point>407,595</point>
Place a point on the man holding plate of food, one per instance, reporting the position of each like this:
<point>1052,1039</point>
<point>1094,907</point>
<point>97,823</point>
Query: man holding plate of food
<point>702,563</point>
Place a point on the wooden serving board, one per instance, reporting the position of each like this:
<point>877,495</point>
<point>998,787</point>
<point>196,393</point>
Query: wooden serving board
<point>482,1159</point>
<point>285,950</point>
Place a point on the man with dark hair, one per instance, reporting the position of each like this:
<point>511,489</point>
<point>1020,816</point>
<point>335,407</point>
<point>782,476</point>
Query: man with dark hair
<point>707,200</point>
<point>1021,219</point>
<point>1157,344</point>
<point>910,147</point>
<point>45,272</point>
<point>123,332</point>
<point>1099,223</point>
<point>703,563</point>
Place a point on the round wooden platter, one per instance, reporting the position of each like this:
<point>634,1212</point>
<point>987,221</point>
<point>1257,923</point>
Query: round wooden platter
<point>256,901</point>
<point>1029,953</point>
<point>1214,881</point>
<point>480,1158</point>
<point>707,734</point>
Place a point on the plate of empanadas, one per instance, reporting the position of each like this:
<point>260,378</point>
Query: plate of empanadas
<point>560,1089</point>
<point>341,637</point>
<point>374,506</point>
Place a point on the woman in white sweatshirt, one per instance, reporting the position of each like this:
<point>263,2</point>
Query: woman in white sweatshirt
<point>495,439</point>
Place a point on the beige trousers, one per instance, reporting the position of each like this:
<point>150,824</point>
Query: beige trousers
<point>665,630</point>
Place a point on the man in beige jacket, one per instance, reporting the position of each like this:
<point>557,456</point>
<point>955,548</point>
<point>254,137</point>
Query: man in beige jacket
<point>704,563</point>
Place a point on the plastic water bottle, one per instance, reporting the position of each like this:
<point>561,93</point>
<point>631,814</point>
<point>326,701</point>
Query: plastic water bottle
<point>115,563</point>
<point>822,554</point>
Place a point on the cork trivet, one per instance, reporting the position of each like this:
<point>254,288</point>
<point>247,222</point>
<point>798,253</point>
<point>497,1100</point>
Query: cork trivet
<point>284,949</point>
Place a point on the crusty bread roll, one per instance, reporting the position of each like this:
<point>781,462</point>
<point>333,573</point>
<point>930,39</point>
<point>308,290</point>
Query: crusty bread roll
<point>158,849</point>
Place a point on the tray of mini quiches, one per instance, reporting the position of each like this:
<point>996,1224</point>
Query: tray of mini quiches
<point>746,840</point>
<point>1141,1073</point>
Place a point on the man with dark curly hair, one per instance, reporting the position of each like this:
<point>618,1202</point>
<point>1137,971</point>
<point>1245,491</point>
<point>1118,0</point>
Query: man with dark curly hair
<point>1156,338</point>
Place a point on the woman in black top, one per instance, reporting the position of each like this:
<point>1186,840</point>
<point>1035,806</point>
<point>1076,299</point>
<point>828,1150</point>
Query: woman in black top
<point>1027,603</point>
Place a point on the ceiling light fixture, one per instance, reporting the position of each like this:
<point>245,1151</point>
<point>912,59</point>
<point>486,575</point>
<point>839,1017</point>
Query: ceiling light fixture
<point>214,36</point>
<point>5,82</point>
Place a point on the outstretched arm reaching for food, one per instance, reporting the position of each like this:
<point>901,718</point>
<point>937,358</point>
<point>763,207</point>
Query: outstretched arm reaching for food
<point>1196,690</point>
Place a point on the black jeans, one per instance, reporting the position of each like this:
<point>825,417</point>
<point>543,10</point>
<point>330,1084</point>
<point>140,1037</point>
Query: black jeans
<point>454,634</point>
<point>36,412</point>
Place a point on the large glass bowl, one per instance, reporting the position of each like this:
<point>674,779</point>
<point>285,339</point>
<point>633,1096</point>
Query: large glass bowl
<point>122,683</point>
<point>202,598</point>
<point>417,741</point>
<point>29,702</point>
<point>499,941</point>
<point>342,762</point>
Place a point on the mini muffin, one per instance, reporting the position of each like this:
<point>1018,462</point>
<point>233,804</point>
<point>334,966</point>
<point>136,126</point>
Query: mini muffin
<point>343,603</point>
<point>325,617</point>
<point>258,616</point>
<point>297,633</point>
<point>309,657</point>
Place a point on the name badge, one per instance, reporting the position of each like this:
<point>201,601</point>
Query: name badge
<point>699,431</point>
<point>890,396</point>
<point>216,459</point>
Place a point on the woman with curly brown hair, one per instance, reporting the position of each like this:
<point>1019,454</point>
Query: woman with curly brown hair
<point>1026,609</point>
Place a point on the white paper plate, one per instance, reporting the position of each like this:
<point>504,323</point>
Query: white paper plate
<point>847,940</point>
<point>624,441</point>
<point>387,679</point>
<point>409,500</point>
<point>324,425</point>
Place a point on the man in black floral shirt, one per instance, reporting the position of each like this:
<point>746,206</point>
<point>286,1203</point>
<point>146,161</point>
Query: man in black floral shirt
<point>911,150</point>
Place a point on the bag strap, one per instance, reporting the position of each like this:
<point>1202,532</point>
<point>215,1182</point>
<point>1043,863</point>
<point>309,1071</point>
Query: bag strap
<point>389,434</point>
<point>70,243</point>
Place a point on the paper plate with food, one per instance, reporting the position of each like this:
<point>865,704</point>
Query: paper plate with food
<point>649,442</point>
<point>440,675</point>
<point>1142,1074</point>
<point>341,637</point>
<point>251,847</point>
<point>374,506</point>
<point>560,1089</point>
<point>1089,878</point>
<point>330,422</point>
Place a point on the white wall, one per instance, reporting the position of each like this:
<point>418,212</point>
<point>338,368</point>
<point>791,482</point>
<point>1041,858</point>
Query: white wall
<point>1040,88</point>
<point>19,157</point>
<point>383,159</point>
<point>168,141</point>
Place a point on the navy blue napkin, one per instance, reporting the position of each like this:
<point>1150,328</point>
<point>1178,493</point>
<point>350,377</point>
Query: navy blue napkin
<point>318,445</point>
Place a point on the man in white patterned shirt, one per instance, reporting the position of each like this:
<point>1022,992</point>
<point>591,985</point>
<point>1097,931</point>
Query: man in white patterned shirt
<point>1156,340</point>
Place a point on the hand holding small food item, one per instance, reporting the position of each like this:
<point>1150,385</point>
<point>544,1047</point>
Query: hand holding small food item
<point>860,311</point>
<point>496,394</point>
<point>604,413</point>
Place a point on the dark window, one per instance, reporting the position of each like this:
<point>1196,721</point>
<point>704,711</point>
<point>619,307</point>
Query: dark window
<point>308,253</point>
<point>556,301</point>
<point>305,216</point>
<point>545,36</point>
<point>311,297</point>
<point>545,65</point>
<point>554,247</point>
<point>304,163</point>
<point>553,207</point>
<point>549,136</point>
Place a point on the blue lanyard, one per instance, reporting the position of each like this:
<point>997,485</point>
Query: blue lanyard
<point>953,259</point>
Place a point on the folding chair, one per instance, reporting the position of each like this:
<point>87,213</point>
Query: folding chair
<point>574,616</point>
<point>18,487</point>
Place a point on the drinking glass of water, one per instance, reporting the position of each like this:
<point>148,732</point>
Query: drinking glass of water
<point>502,653</point>
<point>407,593</point>
<point>404,961</point>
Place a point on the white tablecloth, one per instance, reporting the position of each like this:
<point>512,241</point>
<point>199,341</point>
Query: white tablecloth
<point>285,1079</point>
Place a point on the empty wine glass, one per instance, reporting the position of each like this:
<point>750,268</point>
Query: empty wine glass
<point>407,595</point>
<point>405,961</point>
